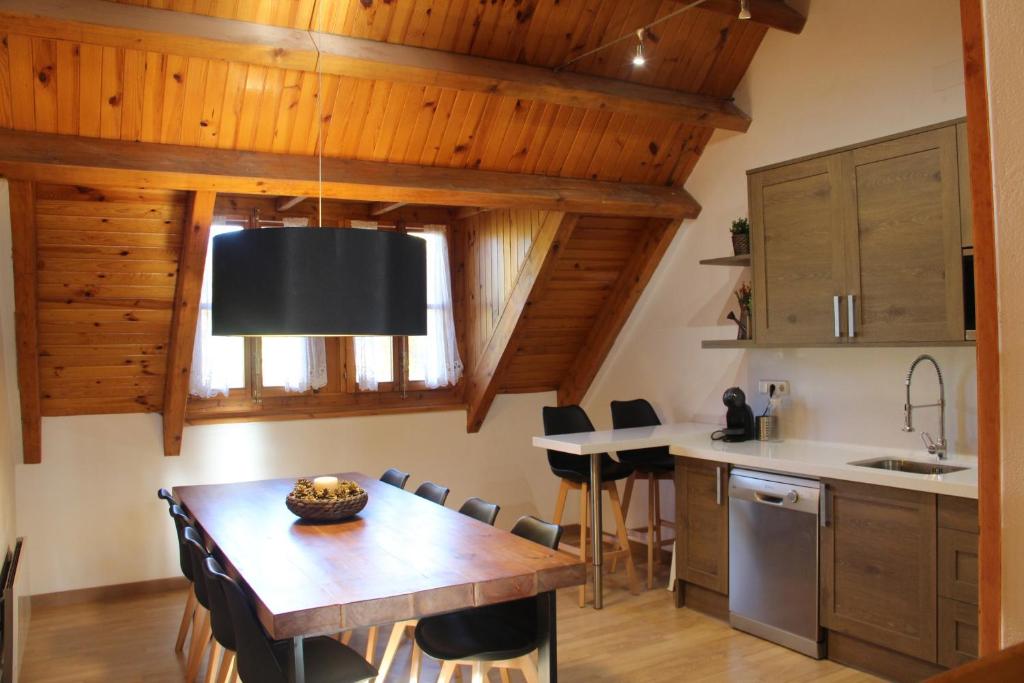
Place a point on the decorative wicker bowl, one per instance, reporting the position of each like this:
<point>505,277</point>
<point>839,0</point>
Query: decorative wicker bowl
<point>326,510</point>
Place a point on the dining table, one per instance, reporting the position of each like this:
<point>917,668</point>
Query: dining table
<point>400,558</point>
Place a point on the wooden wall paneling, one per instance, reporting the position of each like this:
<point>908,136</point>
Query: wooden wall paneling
<point>6,117</point>
<point>186,314</point>
<point>85,161</point>
<point>484,378</point>
<point>615,311</point>
<point>44,70</point>
<point>23,114</point>
<point>986,307</point>
<point>23,242</point>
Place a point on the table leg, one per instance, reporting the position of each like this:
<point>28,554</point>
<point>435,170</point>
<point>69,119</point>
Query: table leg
<point>597,528</point>
<point>547,629</point>
<point>296,662</point>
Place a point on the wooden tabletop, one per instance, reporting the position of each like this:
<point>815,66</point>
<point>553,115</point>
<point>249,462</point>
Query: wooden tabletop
<point>401,558</point>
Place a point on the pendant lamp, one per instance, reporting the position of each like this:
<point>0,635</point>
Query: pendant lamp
<point>319,282</point>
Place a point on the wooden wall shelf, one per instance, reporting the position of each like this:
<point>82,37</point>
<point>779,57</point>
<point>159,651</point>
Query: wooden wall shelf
<point>727,344</point>
<point>741,260</point>
<point>750,344</point>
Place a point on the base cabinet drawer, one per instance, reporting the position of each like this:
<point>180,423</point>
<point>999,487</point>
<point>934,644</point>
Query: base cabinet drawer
<point>958,565</point>
<point>958,632</point>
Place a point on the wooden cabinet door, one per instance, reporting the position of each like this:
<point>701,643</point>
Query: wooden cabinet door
<point>963,163</point>
<point>878,566</point>
<point>902,239</point>
<point>796,244</point>
<point>702,524</point>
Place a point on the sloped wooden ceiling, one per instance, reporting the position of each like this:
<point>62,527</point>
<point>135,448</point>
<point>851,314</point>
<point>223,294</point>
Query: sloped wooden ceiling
<point>163,100</point>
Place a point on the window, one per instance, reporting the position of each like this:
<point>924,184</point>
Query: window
<point>218,363</point>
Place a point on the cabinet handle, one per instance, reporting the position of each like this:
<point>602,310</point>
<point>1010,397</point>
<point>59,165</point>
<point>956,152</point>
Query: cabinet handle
<point>850,316</point>
<point>718,485</point>
<point>824,507</point>
<point>835,313</point>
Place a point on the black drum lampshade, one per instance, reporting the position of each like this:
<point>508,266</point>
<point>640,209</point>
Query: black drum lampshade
<point>319,282</point>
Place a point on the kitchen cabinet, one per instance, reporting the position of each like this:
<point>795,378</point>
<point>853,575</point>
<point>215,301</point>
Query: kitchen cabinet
<point>966,201</point>
<point>878,566</point>
<point>861,245</point>
<point>957,580</point>
<point>702,524</point>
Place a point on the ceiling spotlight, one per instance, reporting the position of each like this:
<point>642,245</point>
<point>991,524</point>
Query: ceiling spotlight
<point>639,59</point>
<point>744,9</point>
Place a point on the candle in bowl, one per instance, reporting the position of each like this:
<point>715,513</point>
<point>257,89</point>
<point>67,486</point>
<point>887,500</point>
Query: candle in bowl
<point>325,484</point>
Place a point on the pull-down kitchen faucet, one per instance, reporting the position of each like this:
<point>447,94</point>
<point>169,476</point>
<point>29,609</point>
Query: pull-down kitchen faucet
<point>934,447</point>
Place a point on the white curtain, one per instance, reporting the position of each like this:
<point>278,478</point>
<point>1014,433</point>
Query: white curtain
<point>373,361</point>
<point>218,363</point>
<point>295,363</point>
<point>438,351</point>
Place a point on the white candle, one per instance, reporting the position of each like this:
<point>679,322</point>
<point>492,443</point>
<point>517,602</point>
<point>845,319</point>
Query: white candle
<point>325,484</point>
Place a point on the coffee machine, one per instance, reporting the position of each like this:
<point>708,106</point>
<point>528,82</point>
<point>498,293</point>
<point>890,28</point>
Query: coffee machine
<point>739,418</point>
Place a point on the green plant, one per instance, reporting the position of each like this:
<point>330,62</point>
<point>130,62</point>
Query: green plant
<point>740,226</point>
<point>744,295</point>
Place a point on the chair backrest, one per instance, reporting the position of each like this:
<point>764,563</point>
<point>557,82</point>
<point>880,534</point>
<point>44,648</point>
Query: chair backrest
<point>196,549</point>
<point>220,615</point>
<point>395,477</point>
<point>181,520</point>
<point>480,510</point>
<point>637,413</point>
<point>538,531</point>
<point>165,495</point>
<point>569,420</point>
<point>432,492</point>
<point>254,656</point>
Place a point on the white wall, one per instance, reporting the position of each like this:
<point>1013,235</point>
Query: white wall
<point>860,69</point>
<point>1003,27</point>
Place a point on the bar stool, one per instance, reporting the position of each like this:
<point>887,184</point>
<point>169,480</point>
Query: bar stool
<point>500,636</point>
<point>574,471</point>
<point>654,465</point>
<point>481,511</point>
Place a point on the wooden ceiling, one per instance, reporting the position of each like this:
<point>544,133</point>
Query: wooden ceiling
<point>120,118</point>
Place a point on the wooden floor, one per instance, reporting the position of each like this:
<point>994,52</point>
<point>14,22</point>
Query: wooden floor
<point>635,638</point>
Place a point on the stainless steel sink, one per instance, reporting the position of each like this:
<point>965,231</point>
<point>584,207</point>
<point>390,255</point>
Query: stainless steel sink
<point>913,466</point>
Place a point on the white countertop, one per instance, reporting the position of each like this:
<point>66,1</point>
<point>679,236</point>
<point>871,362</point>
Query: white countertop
<point>817,459</point>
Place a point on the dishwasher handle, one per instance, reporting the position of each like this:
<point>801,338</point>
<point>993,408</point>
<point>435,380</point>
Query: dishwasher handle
<point>784,495</point>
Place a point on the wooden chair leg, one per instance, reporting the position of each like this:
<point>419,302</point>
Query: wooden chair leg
<point>415,657</point>
<point>201,631</point>
<point>397,631</point>
<point>620,524</point>
<point>584,517</point>
<point>505,677</point>
<point>213,662</point>
<point>227,665</point>
<point>627,494</point>
<point>186,620</point>
<point>529,669</point>
<point>371,644</point>
<point>651,502</point>
<point>480,671</point>
<point>345,637</point>
<point>447,669</point>
<point>563,492</point>
<point>657,521</point>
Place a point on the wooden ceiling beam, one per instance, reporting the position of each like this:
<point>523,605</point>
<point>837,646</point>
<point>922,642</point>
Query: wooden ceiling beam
<point>285,203</point>
<point>185,315</point>
<point>141,28</point>
<point>485,377</point>
<point>381,208</point>
<point>771,13</point>
<point>616,310</point>
<point>468,212</point>
<point>26,317</point>
<point>91,161</point>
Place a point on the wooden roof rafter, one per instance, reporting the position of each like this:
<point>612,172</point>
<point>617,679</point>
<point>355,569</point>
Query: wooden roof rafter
<point>773,13</point>
<point>193,35</point>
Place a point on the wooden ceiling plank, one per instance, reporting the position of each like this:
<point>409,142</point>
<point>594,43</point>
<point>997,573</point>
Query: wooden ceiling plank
<point>193,35</point>
<point>285,203</point>
<point>486,376</point>
<point>185,316</point>
<point>26,317</point>
<point>87,161</point>
<point>772,13</point>
<point>381,208</point>
<point>616,310</point>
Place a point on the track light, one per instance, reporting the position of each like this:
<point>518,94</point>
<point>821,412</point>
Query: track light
<point>639,59</point>
<point>744,9</point>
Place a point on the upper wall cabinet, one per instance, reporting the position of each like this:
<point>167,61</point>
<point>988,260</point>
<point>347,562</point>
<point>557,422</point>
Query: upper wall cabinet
<point>861,245</point>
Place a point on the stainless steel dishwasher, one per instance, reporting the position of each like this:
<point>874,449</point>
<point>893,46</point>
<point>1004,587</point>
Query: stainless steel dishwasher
<point>773,559</point>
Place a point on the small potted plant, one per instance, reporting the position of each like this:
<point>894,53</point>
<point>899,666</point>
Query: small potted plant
<point>740,236</point>
<point>744,297</point>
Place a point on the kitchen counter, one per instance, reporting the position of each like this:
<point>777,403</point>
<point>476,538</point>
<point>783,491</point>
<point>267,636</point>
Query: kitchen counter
<point>817,459</point>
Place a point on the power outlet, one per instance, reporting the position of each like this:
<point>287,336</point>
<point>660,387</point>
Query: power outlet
<point>781,386</point>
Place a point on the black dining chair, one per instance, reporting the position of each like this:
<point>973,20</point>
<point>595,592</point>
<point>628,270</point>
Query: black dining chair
<point>262,660</point>
<point>202,630</point>
<point>653,464</point>
<point>224,647</point>
<point>432,492</point>
<point>396,478</point>
<point>166,496</point>
<point>574,471</point>
<point>498,636</point>
<point>478,509</point>
<point>182,520</point>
